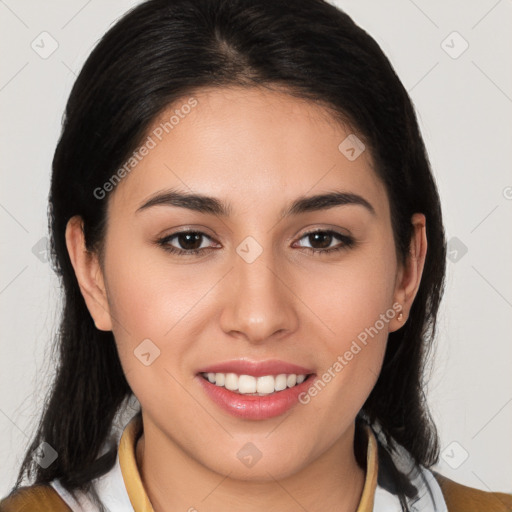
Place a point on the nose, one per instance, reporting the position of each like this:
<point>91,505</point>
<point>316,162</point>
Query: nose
<point>258,300</point>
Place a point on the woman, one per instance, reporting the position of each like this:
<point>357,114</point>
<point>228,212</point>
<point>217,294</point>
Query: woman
<point>251,247</point>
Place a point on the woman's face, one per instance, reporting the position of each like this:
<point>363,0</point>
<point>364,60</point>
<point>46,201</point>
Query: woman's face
<point>256,292</point>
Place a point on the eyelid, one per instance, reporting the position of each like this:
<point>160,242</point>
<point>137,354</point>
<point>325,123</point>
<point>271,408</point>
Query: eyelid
<point>346,240</point>
<point>329,228</point>
<point>184,232</point>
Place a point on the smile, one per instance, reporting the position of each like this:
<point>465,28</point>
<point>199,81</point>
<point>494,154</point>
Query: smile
<point>255,386</point>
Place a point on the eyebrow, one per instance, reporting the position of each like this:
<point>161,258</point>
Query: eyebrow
<point>213,206</point>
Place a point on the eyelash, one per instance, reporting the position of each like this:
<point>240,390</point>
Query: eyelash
<point>348,242</point>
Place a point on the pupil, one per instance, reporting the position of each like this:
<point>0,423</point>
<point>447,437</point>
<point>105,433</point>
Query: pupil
<point>186,238</point>
<point>325,236</point>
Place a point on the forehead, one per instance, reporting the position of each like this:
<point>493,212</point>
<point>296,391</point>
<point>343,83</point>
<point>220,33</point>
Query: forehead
<point>249,146</point>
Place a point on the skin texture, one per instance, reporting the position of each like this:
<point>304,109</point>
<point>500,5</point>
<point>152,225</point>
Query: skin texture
<point>258,150</point>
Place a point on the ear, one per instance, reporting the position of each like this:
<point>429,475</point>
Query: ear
<point>89,274</point>
<point>409,275</point>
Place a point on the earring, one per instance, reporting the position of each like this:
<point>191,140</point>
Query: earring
<point>400,316</point>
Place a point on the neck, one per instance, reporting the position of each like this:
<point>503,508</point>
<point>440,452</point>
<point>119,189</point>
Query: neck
<point>175,481</point>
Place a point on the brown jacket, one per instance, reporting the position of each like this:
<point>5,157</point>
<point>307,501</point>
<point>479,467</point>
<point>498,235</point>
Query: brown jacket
<point>459,498</point>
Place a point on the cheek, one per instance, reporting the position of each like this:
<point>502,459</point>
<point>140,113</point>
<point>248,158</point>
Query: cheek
<point>148,308</point>
<point>354,302</point>
<point>350,296</point>
<point>149,297</point>
<point>149,304</point>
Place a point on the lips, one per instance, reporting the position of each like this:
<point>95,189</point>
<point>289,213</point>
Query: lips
<point>249,406</point>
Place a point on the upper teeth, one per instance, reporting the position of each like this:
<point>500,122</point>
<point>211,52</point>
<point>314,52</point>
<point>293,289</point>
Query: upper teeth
<point>248,384</point>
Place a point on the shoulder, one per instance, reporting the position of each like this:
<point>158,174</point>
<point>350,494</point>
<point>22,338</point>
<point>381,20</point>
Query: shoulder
<point>460,498</point>
<point>34,498</point>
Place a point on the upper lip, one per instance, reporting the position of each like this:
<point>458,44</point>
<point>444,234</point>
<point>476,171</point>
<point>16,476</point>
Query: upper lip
<point>256,368</point>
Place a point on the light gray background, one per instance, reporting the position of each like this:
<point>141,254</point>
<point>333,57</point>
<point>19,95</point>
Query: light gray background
<point>464,106</point>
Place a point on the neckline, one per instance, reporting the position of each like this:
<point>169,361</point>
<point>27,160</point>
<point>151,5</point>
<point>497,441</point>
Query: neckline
<point>139,498</point>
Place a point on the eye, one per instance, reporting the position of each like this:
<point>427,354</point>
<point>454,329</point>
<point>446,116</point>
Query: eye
<point>321,241</point>
<point>189,243</point>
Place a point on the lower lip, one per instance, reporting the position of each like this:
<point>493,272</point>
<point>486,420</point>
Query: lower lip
<point>255,407</point>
